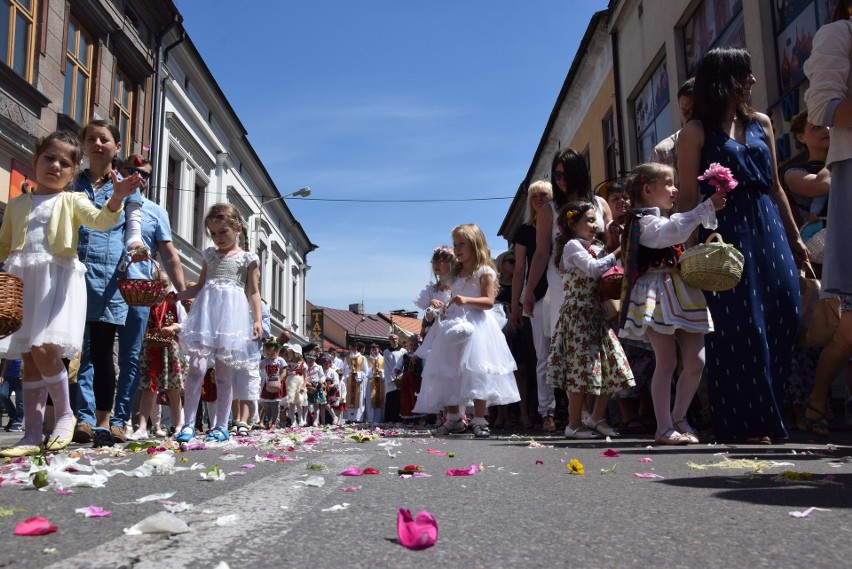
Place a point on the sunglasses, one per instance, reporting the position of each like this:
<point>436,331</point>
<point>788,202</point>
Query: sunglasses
<point>145,175</point>
<point>558,176</point>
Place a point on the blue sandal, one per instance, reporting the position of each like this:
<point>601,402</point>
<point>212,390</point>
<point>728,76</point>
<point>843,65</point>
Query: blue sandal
<point>218,434</point>
<point>186,433</point>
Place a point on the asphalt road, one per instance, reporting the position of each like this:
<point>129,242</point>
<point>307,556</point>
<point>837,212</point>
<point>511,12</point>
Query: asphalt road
<point>521,509</point>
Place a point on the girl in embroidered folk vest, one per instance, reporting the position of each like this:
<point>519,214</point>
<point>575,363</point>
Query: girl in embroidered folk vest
<point>586,358</point>
<point>162,369</point>
<point>658,307</point>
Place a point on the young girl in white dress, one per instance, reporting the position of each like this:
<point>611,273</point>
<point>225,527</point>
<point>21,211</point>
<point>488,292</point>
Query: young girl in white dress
<point>586,357</point>
<point>435,295</point>
<point>479,365</point>
<point>224,325</point>
<point>38,242</point>
<point>659,307</point>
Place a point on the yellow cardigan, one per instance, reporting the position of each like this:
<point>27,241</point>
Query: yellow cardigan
<point>71,210</point>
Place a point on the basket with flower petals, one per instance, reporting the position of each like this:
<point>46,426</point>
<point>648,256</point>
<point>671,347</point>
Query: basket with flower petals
<point>142,292</point>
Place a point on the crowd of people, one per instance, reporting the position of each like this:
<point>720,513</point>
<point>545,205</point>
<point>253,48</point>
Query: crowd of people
<point>531,329</point>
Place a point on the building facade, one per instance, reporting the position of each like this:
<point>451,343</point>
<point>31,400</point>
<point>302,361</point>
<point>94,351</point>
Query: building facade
<point>130,62</point>
<point>654,46</point>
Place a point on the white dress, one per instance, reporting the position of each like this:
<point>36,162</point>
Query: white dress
<point>219,324</point>
<point>423,301</point>
<point>482,367</point>
<point>54,291</point>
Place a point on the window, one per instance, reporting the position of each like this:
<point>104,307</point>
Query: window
<point>651,109</point>
<point>610,150</point>
<point>17,26</point>
<point>173,193</point>
<point>293,313</point>
<point>78,73</point>
<point>122,110</point>
<point>198,215</point>
<point>713,24</point>
<point>796,22</point>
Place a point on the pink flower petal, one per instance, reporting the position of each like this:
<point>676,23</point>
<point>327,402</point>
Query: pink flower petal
<point>417,533</point>
<point>351,471</point>
<point>249,466</point>
<point>93,512</point>
<point>351,488</point>
<point>463,471</point>
<point>610,453</point>
<point>646,459</point>
<point>437,452</point>
<point>646,475</point>
<point>64,492</point>
<point>35,526</point>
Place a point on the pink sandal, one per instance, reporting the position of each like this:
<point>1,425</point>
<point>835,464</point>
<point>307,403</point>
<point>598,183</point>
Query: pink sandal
<point>687,432</point>
<point>670,437</point>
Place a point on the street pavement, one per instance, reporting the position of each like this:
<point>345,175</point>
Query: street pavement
<point>720,505</point>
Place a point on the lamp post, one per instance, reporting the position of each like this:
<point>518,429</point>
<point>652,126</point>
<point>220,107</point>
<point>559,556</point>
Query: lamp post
<point>355,335</point>
<point>301,192</point>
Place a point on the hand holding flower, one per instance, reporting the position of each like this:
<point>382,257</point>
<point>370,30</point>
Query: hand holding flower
<point>719,177</point>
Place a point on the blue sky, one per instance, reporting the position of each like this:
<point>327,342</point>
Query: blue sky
<point>385,100</point>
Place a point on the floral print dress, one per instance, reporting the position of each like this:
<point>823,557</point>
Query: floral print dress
<point>585,354</point>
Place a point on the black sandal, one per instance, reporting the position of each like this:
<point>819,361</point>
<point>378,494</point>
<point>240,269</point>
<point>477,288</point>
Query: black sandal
<point>816,426</point>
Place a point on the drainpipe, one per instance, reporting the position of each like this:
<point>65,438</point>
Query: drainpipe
<point>617,108</point>
<point>157,120</point>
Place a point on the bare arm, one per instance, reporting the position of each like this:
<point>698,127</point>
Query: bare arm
<point>543,229</point>
<point>253,294</point>
<point>517,284</point>
<point>171,262</point>
<point>808,185</point>
<point>690,145</point>
<point>192,291</point>
<point>798,248</point>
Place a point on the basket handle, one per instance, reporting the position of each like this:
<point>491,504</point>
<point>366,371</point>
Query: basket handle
<point>714,237</point>
<point>137,256</point>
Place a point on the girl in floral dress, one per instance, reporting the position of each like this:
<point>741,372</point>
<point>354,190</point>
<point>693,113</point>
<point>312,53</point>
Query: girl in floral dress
<point>586,358</point>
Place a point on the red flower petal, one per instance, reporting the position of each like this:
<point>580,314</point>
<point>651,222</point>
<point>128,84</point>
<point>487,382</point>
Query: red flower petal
<point>35,526</point>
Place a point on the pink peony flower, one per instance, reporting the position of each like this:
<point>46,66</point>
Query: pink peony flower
<point>719,177</point>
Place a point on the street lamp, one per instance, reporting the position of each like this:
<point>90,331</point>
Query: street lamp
<point>301,193</point>
<point>355,336</point>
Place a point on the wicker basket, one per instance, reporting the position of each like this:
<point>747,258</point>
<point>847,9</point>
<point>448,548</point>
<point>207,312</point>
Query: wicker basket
<point>609,285</point>
<point>11,304</point>
<point>713,265</point>
<point>816,247</point>
<point>154,340</point>
<point>142,292</point>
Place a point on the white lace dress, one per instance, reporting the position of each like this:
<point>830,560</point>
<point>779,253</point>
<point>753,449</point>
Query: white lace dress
<point>54,290</point>
<point>481,367</point>
<point>219,324</point>
<point>423,301</point>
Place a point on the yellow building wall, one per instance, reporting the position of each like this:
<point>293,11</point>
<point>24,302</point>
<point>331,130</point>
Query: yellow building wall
<point>590,134</point>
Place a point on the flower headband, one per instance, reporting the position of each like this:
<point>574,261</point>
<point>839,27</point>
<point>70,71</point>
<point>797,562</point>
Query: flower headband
<point>443,252</point>
<point>581,210</point>
<point>217,213</point>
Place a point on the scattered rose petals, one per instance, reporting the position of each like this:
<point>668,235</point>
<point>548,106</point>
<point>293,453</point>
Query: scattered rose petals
<point>463,471</point>
<point>646,475</point>
<point>247,466</point>
<point>418,533</point>
<point>161,522</point>
<point>227,520</point>
<point>539,462</point>
<point>610,453</point>
<point>807,512</point>
<point>63,492</point>
<point>155,497</point>
<point>35,526</point>
<point>355,471</point>
<point>436,452</point>
<point>93,512</point>
<point>336,508</point>
<point>646,459</point>
<point>351,488</point>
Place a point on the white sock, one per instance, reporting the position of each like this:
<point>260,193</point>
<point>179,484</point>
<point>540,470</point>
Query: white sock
<point>57,388</point>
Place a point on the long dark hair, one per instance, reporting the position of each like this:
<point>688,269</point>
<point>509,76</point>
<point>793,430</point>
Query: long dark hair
<point>841,11</point>
<point>577,178</point>
<point>721,77</point>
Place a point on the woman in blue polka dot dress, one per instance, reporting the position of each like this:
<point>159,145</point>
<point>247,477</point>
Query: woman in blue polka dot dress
<point>749,354</point>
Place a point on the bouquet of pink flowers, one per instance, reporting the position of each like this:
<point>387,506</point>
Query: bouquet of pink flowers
<point>719,177</point>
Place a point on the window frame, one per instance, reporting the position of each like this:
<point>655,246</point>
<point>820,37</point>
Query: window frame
<point>72,60</point>
<point>29,15</point>
<point>121,112</point>
<point>610,146</point>
<point>645,94</point>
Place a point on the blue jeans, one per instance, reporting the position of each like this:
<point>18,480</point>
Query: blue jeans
<point>130,338</point>
<point>16,410</point>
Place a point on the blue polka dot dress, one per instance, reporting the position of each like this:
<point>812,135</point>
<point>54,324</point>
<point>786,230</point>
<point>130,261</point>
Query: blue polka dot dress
<point>749,355</point>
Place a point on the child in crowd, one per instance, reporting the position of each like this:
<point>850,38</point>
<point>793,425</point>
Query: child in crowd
<point>659,306</point>
<point>10,384</point>
<point>38,242</point>
<point>224,324</point>
<point>272,390</point>
<point>162,368</point>
<point>585,355</point>
<point>332,390</point>
<point>315,383</point>
<point>475,363</point>
<point>296,386</point>
<point>407,374</point>
<point>435,295</point>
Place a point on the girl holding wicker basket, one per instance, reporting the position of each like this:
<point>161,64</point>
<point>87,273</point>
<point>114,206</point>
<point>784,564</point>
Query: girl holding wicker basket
<point>658,306</point>
<point>38,241</point>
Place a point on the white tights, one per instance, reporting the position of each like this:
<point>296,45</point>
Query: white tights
<point>225,377</point>
<point>665,351</point>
